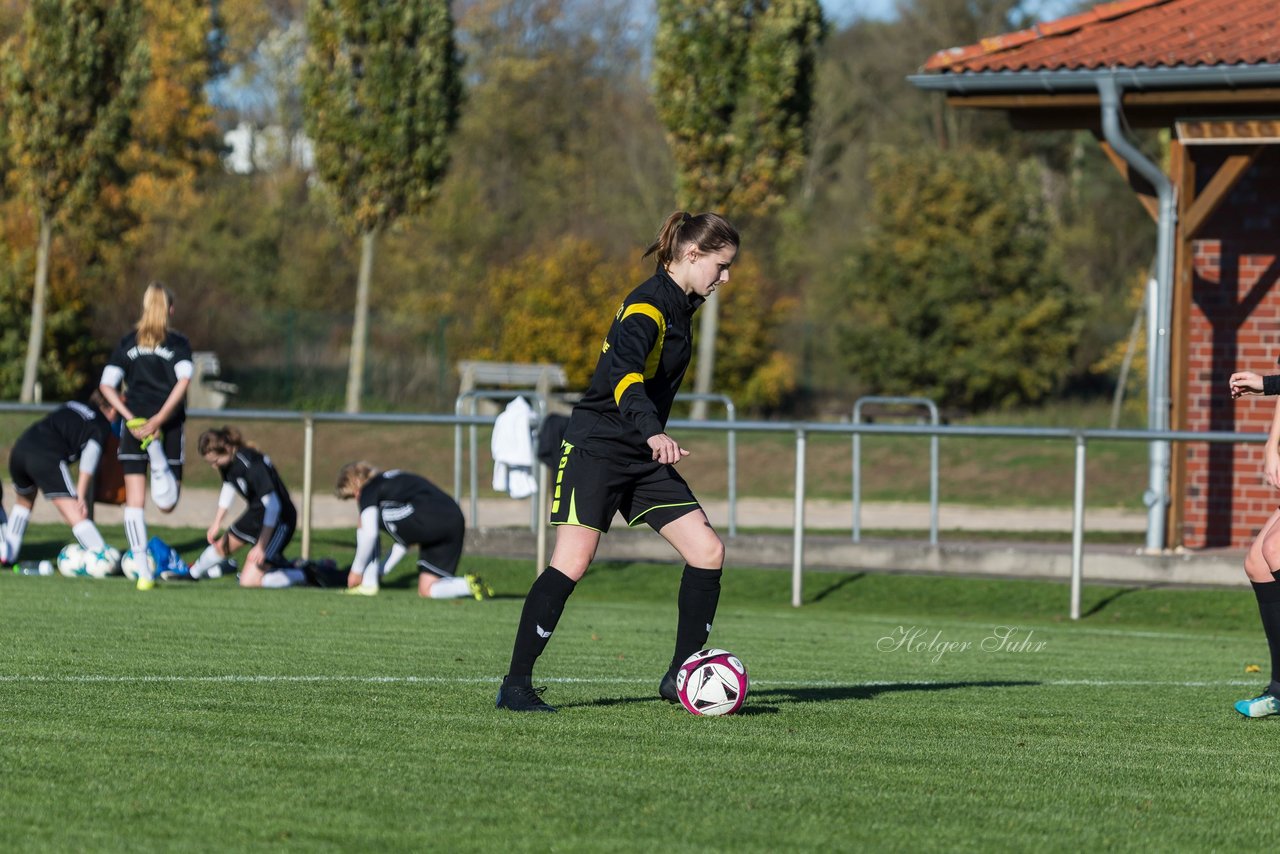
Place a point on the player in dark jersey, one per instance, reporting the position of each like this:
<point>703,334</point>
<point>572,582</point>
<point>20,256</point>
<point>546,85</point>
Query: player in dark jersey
<point>617,456</point>
<point>414,511</point>
<point>267,524</point>
<point>154,363</point>
<point>41,459</point>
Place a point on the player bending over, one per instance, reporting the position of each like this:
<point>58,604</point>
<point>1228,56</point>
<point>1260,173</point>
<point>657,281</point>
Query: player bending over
<point>617,456</point>
<point>267,524</point>
<point>41,461</point>
<point>414,511</point>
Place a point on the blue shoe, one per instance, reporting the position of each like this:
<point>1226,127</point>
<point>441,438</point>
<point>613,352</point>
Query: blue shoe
<point>1258,707</point>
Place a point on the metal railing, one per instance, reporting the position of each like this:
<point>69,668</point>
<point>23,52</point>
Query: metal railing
<point>933,460</point>
<point>801,433</point>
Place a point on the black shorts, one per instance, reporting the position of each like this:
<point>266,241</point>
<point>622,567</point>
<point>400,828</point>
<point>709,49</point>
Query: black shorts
<point>134,460</point>
<point>438,531</point>
<point>49,474</point>
<point>248,528</point>
<point>590,489</point>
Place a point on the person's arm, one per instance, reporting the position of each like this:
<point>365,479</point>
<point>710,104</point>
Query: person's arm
<point>270,516</point>
<point>225,499</point>
<point>1247,382</point>
<point>366,539</point>
<point>109,385</point>
<point>641,330</point>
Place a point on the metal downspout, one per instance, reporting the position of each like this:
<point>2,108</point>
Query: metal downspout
<point>1159,320</point>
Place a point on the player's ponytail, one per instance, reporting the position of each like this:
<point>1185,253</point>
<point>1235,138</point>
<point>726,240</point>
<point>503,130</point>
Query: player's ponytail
<point>352,477</point>
<point>153,325</point>
<point>709,232</point>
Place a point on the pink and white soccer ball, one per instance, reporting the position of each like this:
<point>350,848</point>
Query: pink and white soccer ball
<point>712,682</point>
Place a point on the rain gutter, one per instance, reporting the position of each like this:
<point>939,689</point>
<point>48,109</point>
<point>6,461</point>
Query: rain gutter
<point>1110,84</point>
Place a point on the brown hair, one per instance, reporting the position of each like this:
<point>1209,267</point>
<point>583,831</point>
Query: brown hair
<point>99,402</point>
<point>709,232</point>
<point>220,441</point>
<point>154,322</point>
<point>352,477</point>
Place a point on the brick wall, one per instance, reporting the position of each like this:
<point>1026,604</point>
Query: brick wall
<point>1234,325</point>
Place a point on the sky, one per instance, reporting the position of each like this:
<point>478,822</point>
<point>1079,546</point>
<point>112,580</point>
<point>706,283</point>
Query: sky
<point>844,11</point>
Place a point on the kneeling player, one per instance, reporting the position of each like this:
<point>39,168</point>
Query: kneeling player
<point>414,511</point>
<point>41,460</point>
<point>267,524</point>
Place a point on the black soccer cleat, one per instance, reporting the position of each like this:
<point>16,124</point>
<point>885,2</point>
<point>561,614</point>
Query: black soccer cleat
<point>522,698</point>
<point>667,687</point>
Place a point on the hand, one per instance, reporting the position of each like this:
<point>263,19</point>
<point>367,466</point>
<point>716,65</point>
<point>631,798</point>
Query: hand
<point>82,509</point>
<point>1245,382</point>
<point>256,557</point>
<point>1271,468</point>
<point>666,450</point>
<point>211,535</point>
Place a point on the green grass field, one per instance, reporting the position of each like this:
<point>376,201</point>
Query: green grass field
<point>202,717</point>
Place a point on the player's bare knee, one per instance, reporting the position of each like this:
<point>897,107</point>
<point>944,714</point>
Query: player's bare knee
<point>1255,566</point>
<point>709,554</point>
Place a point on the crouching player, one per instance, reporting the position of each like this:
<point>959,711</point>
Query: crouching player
<point>414,511</point>
<point>41,461</point>
<point>268,523</point>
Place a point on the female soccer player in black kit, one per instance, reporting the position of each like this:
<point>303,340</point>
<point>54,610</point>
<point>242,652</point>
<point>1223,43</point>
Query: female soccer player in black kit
<point>267,524</point>
<point>41,461</point>
<point>154,363</point>
<point>617,456</point>
<point>414,511</point>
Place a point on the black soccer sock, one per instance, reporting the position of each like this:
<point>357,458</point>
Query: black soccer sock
<point>1268,595</point>
<point>699,596</point>
<point>542,608</point>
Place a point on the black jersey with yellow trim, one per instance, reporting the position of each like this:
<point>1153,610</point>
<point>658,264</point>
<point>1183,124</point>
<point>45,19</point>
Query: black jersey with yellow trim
<point>642,363</point>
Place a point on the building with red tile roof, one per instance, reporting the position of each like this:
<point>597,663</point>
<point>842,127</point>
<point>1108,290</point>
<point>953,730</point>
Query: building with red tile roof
<point>1208,72</point>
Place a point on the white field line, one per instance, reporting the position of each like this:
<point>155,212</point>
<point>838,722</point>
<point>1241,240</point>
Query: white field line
<point>252,679</point>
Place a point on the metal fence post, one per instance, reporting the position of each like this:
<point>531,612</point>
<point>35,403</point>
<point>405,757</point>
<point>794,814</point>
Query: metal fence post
<point>933,461</point>
<point>797,546</point>
<point>1077,529</point>
<point>308,479</point>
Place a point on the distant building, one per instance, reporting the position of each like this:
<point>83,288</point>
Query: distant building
<point>266,149</point>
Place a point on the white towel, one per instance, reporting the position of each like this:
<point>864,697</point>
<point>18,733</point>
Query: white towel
<point>512,448</point>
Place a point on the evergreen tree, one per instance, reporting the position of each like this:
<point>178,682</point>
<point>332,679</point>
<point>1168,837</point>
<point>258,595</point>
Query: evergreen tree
<point>381,91</point>
<point>71,83</point>
<point>734,82</point>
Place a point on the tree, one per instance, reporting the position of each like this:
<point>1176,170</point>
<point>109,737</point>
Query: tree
<point>734,81</point>
<point>71,83</point>
<point>955,293</point>
<point>381,92</point>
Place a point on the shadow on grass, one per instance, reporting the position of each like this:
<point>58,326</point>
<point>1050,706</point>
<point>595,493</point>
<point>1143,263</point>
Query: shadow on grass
<point>814,694</point>
<point>832,588</point>
<point>1101,604</point>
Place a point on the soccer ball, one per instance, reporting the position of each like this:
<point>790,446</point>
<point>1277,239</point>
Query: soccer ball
<point>103,563</point>
<point>712,682</point>
<point>131,566</point>
<point>71,560</point>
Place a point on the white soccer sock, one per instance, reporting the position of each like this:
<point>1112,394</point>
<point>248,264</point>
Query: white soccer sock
<point>284,578</point>
<point>135,529</point>
<point>208,559</point>
<point>164,486</point>
<point>88,536</point>
<point>16,529</point>
<point>453,587</point>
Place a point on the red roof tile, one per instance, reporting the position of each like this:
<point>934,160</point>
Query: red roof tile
<point>1131,34</point>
